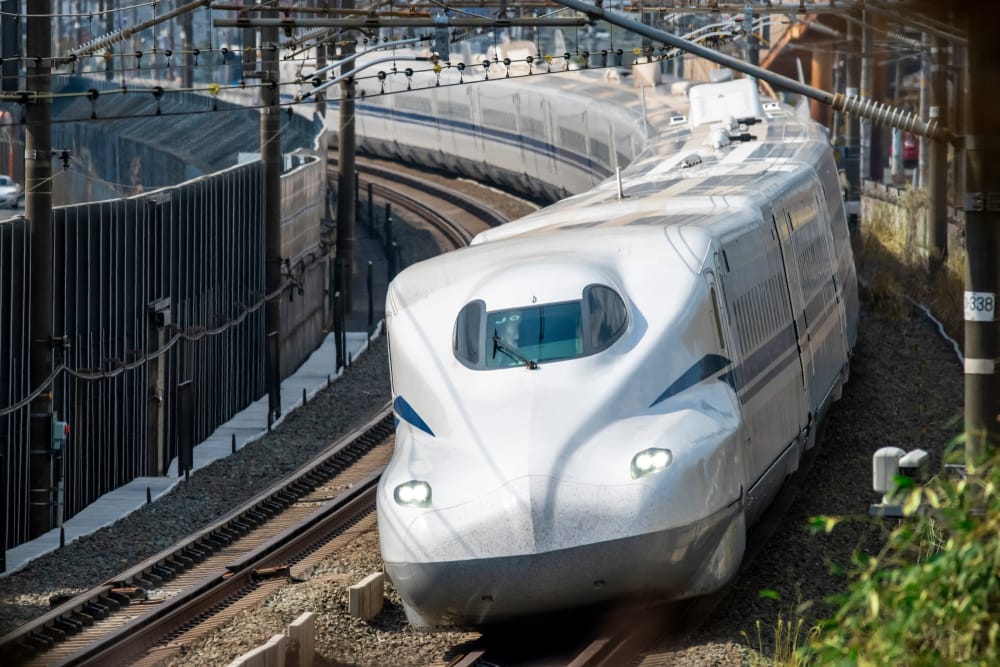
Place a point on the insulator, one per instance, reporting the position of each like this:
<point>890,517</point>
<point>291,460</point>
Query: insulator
<point>882,114</point>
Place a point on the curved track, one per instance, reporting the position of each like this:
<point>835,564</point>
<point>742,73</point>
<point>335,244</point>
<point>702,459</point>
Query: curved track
<point>428,201</point>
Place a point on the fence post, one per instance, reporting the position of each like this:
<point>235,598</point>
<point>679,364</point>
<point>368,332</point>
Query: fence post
<point>371,298</point>
<point>156,423</point>
<point>3,509</point>
<point>274,378</point>
<point>371,212</point>
<point>185,448</point>
<point>331,289</point>
<point>393,260</point>
<point>387,227</point>
<point>338,326</point>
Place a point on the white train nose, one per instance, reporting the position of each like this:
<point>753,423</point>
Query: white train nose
<point>519,550</point>
<point>529,515</point>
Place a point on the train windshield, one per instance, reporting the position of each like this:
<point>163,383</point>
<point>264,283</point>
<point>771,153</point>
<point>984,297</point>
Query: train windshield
<point>539,333</point>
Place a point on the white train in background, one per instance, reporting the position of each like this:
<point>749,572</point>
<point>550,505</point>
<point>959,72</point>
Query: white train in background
<point>595,402</point>
<point>543,136</point>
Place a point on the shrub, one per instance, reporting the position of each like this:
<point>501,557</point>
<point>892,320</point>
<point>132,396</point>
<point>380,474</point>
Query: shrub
<point>932,596</point>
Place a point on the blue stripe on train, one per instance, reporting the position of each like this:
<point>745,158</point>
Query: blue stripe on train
<point>408,414</point>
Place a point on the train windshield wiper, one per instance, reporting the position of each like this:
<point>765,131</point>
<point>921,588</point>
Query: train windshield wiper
<point>511,351</point>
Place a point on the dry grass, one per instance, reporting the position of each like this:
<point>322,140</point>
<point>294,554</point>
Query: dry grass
<point>894,262</point>
<point>789,637</point>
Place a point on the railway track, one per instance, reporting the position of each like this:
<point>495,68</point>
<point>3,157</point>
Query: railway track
<point>432,204</point>
<point>240,557</point>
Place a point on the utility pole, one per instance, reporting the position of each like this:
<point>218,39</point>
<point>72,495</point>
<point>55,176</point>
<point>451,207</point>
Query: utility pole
<point>345,178</point>
<point>109,27</point>
<point>10,78</point>
<point>38,210</point>
<point>320,64</point>
<point>867,64</point>
<point>925,104</point>
<point>187,23</point>
<point>982,223</point>
<point>11,36</point>
<point>879,91</point>
<point>852,138</point>
<point>270,153</point>
<point>752,46</point>
<point>937,162</point>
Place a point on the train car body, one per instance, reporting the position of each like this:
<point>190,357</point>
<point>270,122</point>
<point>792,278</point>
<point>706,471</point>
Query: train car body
<point>543,136</point>
<point>595,402</point>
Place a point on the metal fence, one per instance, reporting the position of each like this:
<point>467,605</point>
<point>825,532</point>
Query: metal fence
<point>159,301</point>
<point>15,251</point>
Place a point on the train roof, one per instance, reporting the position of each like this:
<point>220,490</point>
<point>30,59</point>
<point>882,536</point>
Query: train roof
<point>693,169</point>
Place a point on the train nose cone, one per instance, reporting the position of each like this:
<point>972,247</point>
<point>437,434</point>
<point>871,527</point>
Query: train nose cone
<point>538,544</point>
<point>527,515</point>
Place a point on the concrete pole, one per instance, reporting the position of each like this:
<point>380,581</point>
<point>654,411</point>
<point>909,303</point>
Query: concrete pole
<point>321,63</point>
<point>38,209</point>
<point>982,223</point>
<point>752,45</point>
<point>937,163</point>
<point>187,21</point>
<point>11,36</point>
<point>896,166</point>
<point>270,153</point>
<point>867,64</point>
<point>109,27</point>
<point>821,77</point>
<point>879,91</point>
<point>925,104</point>
<point>346,232</point>
<point>852,140</point>
<point>959,90</point>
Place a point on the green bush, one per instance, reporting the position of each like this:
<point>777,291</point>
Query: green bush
<point>932,596</point>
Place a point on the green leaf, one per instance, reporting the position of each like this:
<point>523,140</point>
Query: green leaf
<point>912,503</point>
<point>770,594</point>
<point>873,603</point>
<point>823,523</point>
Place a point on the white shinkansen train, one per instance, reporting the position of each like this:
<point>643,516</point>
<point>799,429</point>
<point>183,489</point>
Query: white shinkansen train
<point>595,402</point>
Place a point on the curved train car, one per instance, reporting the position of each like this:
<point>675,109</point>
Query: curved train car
<point>595,402</point>
<point>542,136</point>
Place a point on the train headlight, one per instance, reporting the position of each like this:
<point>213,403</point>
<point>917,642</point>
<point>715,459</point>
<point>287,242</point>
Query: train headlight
<point>649,461</point>
<point>413,494</point>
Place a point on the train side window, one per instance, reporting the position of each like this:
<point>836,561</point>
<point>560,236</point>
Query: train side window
<point>606,317</point>
<point>468,333</point>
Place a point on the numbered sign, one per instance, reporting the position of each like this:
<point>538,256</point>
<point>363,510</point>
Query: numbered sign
<point>980,306</point>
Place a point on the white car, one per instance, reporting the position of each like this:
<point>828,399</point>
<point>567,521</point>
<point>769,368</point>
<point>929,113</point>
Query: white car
<point>11,194</point>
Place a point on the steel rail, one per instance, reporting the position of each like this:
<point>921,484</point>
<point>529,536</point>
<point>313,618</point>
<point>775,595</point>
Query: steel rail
<point>457,235</point>
<point>453,232</point>
<point>240,577</point>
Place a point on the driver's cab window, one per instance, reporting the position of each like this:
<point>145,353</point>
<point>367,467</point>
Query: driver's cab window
<point>539,333</point>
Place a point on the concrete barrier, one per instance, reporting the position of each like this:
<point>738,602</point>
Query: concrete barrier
<point>301,650</point>
<point>271,654</point>
<point>364,599</point>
